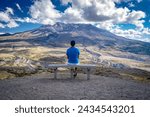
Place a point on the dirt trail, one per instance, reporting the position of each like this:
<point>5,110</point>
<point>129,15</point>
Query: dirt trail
<point>43,86</point>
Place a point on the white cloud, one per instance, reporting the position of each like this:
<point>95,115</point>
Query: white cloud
<point>126,1</point>
<point>9,11</point>
<point>44,12</point>
<point>18,6</point>
<point>130,33</point>
<point>2,25</point>
<point>139,1</point>
<point>108,25</point>
<point>12,24</point>
<point>85,11</point>
<point>92,11</point>
<point>65,1</point>
<point>135,18</point>
<point>142,35</point>
<point>72,16</point>
<point>119,1</point>
<point>101,11</point>
<point>27,20</point>
<point>131,4</point>
<point>6,19</point>
<point>2,33</point>
<point>146,31</point>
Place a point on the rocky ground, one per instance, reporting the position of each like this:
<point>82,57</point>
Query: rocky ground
<point>43,87</point>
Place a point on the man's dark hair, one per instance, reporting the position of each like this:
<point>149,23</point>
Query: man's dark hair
<point>72,43</point>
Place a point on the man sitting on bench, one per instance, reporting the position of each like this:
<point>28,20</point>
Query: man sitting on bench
<point>73,56</point>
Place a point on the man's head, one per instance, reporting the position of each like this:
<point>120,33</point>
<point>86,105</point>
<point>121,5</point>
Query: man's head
<point>72,43</point>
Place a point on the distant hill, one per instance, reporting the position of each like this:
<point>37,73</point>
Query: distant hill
<point>5,34</point>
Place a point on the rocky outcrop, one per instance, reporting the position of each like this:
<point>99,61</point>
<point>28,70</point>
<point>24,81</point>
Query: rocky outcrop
<point>21,66</point>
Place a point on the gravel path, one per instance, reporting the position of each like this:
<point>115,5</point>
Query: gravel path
<point>42,86</point>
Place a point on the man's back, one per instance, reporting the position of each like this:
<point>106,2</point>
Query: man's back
<point>73,55</point>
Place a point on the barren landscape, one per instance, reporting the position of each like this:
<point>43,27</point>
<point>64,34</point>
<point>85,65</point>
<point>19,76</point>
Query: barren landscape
<point>123,65</point>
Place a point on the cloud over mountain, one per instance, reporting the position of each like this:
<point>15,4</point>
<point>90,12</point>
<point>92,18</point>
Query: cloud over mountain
<point>103,10</point>
<point>87,11</point>
<point>107,14</point>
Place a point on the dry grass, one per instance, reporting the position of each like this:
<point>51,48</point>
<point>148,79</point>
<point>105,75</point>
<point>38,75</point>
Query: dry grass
<point>5,75</point>
<point>131,73</point>
<point>57,55</point>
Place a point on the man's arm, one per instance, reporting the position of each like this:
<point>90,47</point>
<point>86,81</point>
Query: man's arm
<point>67,54</point>
<point>78,53</point>
<point>67,57</point>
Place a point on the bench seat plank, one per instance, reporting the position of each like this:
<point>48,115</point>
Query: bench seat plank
<point>69,65</point>
<point>85,66</point>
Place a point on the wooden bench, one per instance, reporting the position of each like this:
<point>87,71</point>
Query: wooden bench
<point>55,67</point>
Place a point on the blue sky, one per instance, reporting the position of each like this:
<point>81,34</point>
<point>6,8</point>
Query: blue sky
<point>128,18</point>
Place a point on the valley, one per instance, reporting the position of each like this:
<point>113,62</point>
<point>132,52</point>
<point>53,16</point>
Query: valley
<point>28,52</point>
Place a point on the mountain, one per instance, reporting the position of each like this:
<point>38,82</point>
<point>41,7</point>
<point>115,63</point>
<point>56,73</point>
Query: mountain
<point>85,34</point>
<point>5,34</point>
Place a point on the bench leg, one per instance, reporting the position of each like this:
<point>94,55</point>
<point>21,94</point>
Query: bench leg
<point>55,73</point>
<point>88,73</point>
<point>71,73</point>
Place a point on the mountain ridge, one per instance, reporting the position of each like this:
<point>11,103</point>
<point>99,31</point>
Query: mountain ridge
<point>85,35</point>
<point>94,35</point>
